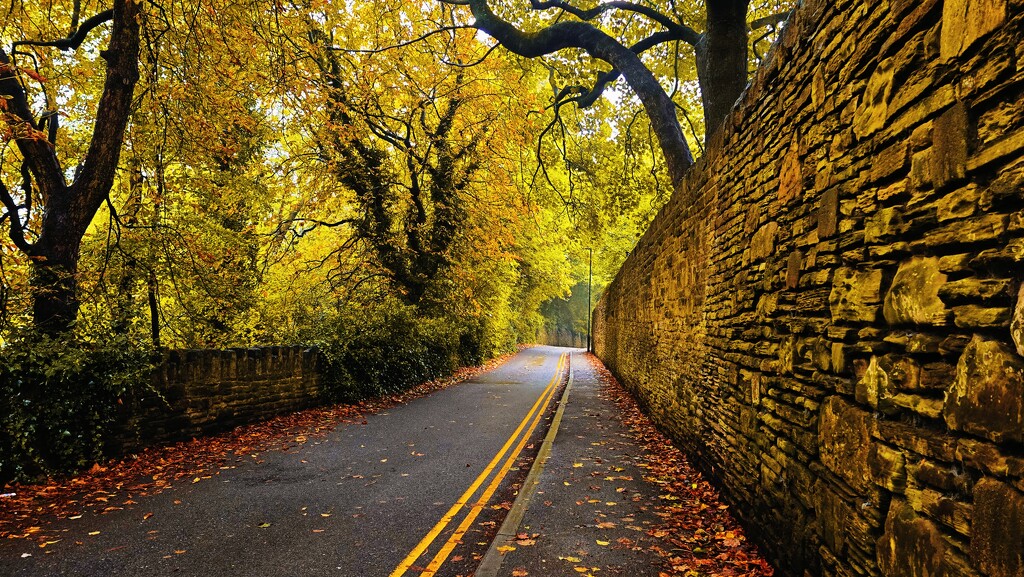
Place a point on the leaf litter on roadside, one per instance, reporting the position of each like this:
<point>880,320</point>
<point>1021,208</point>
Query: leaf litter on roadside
<point>697,534</point>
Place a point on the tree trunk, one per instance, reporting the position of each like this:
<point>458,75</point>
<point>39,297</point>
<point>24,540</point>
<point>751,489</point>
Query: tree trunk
<point>68,210</point>
<point>55,286</point>
<point>721,56</point>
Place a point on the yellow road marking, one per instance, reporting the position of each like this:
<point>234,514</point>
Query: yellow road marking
<point>464,499</point>
<point>456,537</point>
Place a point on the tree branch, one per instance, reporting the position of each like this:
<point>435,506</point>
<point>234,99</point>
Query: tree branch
<point>682,31</point>
<point>99,167</point>
<point>770,20</point>
<point>573,34</point>
<point>33,145</point>
<point>402,44</point>
<point>587,97</point>
<point>75,40</point>
<point>16,232</point>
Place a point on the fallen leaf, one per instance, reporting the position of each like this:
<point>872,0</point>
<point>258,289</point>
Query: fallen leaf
<point>519,572</point>
<point>263,525</point>
<point>93,533</point>
<point>506,549</point>
<point>603,543</point>
<point>570,559</point>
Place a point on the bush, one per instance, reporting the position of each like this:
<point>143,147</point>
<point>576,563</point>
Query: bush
<point>60,401</point>
<point>386,352</point>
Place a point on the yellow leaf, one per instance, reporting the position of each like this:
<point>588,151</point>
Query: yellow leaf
<point>570,559</point>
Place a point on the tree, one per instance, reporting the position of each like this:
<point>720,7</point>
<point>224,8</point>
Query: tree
<point>618,33</point>
<point>66,209</point>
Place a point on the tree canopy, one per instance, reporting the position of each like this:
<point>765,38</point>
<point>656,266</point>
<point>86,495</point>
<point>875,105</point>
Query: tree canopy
<point>225,172</point>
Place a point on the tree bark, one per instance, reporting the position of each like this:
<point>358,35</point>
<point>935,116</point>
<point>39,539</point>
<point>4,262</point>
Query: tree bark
<point>721,56</point>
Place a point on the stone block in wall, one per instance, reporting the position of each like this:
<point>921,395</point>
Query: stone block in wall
<point>980,229</point>
<point>987,396</point>
<point>844,439</point>
<point>913,297</point>
<point>885,224</point>
<point>960,203</point>
<point>793,265</point>
<point>986,457</point>
<point>948,478</point>
<point>1017,323</point>
<point>975,290</point>
<point>791,178</point>
<point>997,532</point>
<point>912,546</point>
<point>949,140</point>
<point>981,317</point>
<point>873,111</point>
<point>834,514</point>
<point>946,509</point>
<point>1004,258</point>
<point>855,295</point>
<point>875,387</point>
<point>889,161</point>
<point>964,22</point>
<point>762,244</point>
<point>887,467</point>
<point>828,213</point>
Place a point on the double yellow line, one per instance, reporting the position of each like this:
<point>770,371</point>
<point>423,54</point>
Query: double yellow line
<point>533,418</point>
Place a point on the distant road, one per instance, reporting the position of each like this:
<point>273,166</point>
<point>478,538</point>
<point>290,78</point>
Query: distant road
<point>417,487</point>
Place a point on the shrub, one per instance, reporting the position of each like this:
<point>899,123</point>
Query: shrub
<point>60,401</point>
<point>386,351</point>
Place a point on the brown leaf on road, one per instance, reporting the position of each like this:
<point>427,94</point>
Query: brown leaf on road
<point>691,515</point>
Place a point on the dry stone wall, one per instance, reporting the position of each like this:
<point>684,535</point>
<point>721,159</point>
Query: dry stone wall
<point>829,312</point>
<point>199,392</point>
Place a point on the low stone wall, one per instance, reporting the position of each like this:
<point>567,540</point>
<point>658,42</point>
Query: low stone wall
<point>199,392</point>
<point>828,314</point>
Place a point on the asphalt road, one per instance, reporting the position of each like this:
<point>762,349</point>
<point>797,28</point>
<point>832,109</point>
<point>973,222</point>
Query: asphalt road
<point>357,503</point>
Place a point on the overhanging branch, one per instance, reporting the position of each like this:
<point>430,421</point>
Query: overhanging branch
<point>681,31</point>
<point>75,40</point>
